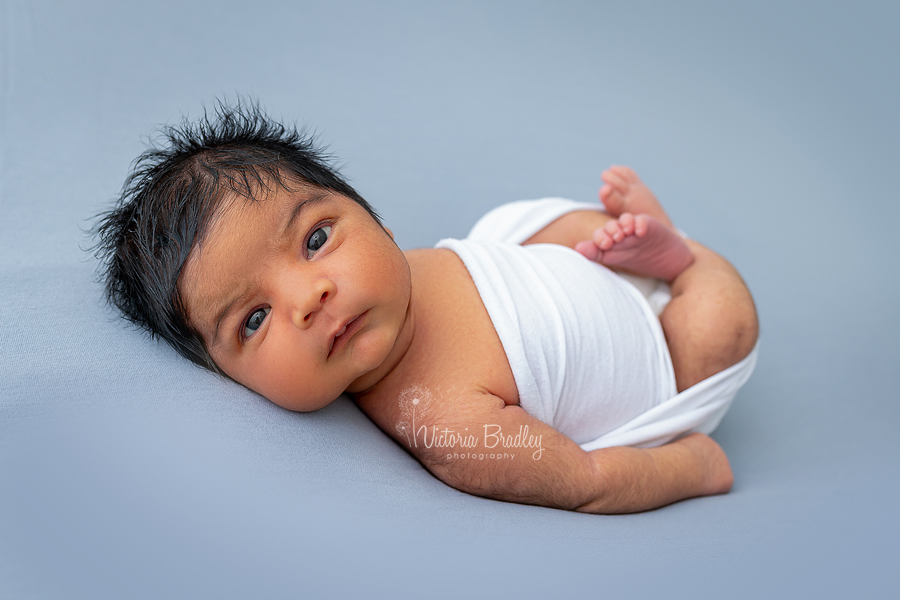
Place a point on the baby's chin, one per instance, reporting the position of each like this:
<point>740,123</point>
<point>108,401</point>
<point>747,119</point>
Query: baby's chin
<point>304,404</point>
<point>313,397</point>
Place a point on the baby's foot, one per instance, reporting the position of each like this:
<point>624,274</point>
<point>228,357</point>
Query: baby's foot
<point>640,244</point>
<point>623,191</point>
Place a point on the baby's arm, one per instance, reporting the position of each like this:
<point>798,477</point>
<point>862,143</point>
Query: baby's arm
<point>643,479</point>
<point>556,472</point>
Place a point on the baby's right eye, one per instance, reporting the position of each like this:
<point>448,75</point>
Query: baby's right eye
<point>255,321</point>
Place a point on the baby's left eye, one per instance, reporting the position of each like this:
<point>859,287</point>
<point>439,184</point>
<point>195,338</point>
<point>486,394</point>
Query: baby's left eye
<point>317,240</point>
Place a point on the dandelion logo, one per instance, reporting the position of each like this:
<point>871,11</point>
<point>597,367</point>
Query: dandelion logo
<point>414,403</point>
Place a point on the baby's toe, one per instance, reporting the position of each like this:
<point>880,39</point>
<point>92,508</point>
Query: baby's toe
<point>627,174</point>
<point>613,178</point>
<point>612,200</point>
<point>606,192</point>
<point>603,239</point>
<point>614,230</point>
<point>626,223</point>
<point>588,249</point>
<point>641,225</point>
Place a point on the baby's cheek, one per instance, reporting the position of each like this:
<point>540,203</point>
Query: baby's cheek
<point>292,382</point>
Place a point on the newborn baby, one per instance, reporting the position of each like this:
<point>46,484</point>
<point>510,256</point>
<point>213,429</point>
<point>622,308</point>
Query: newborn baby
<point>511,364</point>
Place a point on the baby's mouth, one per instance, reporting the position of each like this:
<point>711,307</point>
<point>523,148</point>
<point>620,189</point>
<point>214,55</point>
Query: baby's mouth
<point>347,330</point>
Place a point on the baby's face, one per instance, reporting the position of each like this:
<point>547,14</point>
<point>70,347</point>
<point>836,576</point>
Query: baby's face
<point>300,296</point>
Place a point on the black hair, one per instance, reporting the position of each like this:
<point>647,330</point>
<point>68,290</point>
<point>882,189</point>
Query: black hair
<point>172,193</point>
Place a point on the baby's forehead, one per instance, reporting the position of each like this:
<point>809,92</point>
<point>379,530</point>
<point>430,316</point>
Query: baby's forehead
<point>265,201</point>
<point>221,250</point>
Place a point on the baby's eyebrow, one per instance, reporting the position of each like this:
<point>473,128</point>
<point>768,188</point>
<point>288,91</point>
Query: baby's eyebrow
<point>314,198</point>
<point>229,308</point>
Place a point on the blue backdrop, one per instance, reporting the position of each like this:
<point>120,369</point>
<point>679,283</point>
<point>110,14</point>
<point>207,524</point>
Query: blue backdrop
<point>770,131</point>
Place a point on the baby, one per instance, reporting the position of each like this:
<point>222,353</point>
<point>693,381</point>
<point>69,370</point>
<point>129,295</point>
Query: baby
<point>518,364</point>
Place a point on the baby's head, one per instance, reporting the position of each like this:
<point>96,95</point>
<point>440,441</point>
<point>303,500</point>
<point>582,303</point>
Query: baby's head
<point>240,246</point>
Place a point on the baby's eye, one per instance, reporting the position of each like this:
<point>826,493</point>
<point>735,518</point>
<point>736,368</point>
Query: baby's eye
<point>254,321</point>
<point>317,240</point>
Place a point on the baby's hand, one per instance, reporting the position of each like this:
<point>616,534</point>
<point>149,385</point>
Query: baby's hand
<point>718,477</point>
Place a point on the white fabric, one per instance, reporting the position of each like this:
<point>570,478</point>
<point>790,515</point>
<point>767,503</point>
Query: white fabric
<point>585,347</point>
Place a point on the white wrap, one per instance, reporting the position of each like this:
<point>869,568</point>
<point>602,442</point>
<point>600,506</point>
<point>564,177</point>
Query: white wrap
<point>585,347</point>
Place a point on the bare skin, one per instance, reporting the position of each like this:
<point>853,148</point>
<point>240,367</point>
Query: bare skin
<point>335,306</point>
<point>638,244</point>
<point>624,192</point>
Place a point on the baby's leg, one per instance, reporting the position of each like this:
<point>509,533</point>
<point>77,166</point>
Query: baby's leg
<point>711,322</point>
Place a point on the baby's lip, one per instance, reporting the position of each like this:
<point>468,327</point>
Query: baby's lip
<point>345,332</point>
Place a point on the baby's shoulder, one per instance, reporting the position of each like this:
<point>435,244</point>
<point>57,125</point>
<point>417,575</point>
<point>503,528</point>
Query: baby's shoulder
<point>455,351</point>
<point>439,279</point>
<point>427,258</point>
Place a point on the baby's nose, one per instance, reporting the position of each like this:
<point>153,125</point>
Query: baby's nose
<point>312,302</point>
